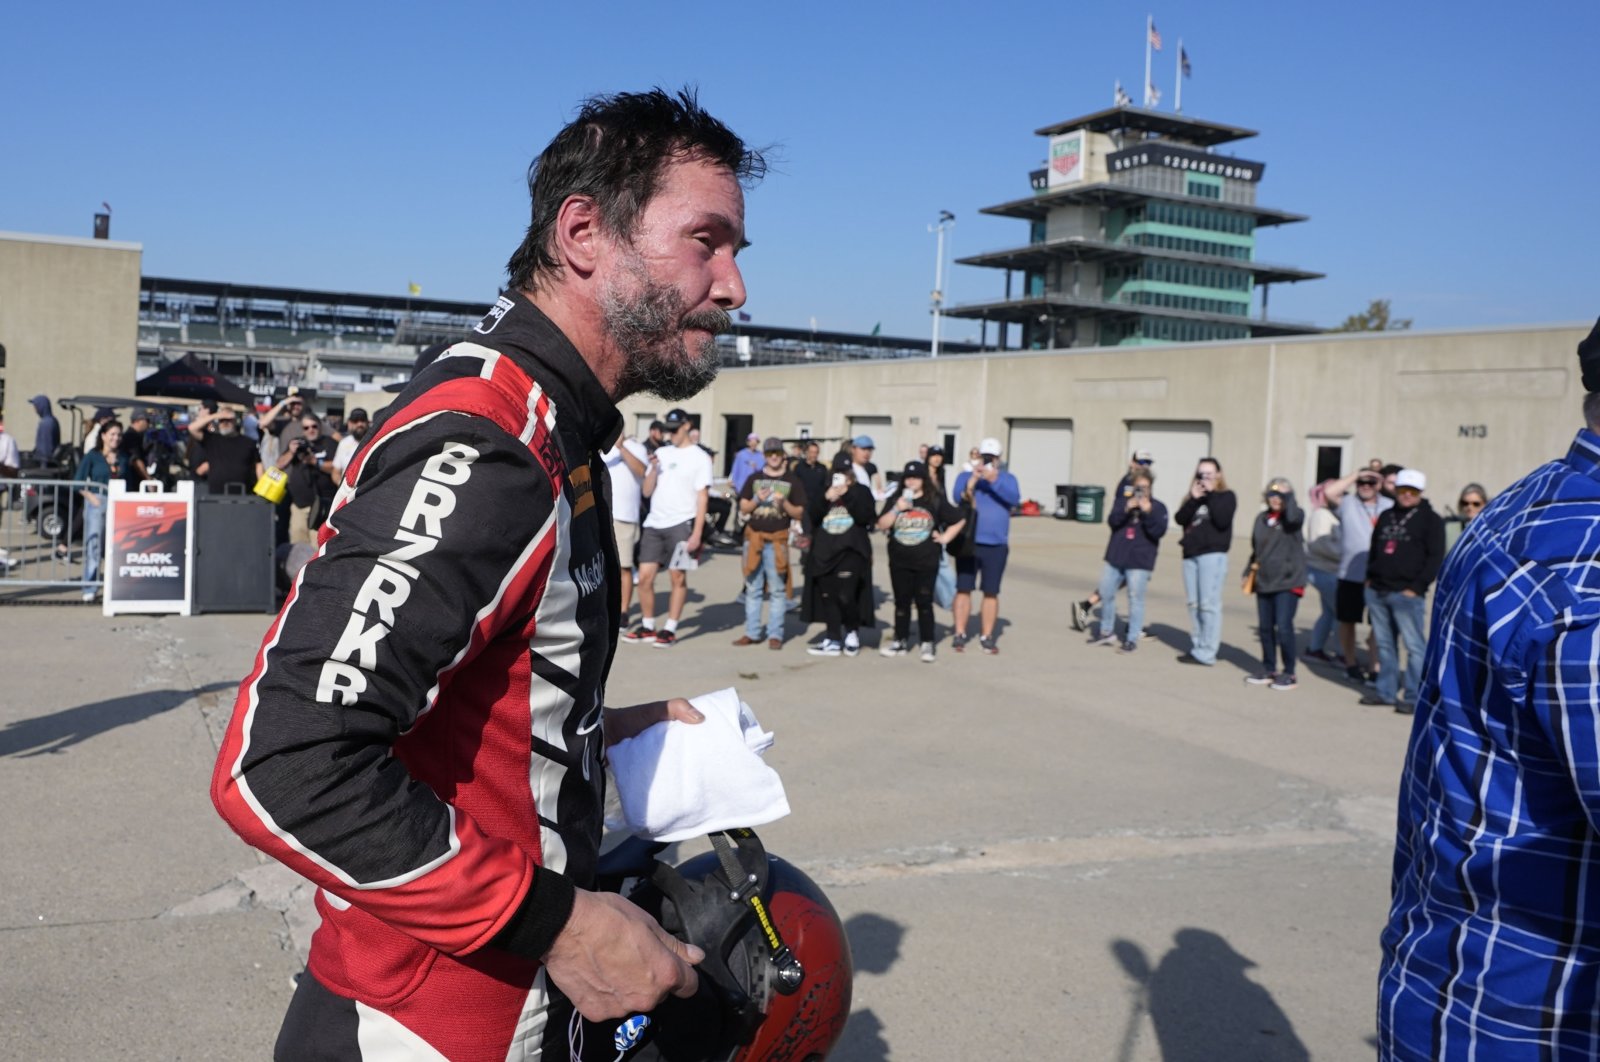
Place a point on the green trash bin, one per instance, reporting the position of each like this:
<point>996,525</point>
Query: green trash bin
<point>1090,504</point>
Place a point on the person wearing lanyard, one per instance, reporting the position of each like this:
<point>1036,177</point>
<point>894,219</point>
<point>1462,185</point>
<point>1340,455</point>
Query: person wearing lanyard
<point>1407,550</point>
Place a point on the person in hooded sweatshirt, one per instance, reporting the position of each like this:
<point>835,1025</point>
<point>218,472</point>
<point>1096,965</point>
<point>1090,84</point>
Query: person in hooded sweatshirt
<point>839,568</point>
<point>47,437</point>
<point>1276,574</point>
<point>1407,550</point>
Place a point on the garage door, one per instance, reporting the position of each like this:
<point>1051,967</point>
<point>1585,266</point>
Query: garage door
<point>1039,454</point>
<point>1177,446</point>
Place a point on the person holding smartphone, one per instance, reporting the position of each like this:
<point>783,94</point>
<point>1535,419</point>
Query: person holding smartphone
<point>1206,517</point>
<point>920,521</point>
<point>1138,523</point>
<point>839,566</point>
<point>992,493</point>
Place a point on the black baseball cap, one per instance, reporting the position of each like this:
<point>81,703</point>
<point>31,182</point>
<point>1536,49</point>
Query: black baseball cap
<point>357,414</point>
<point>915,468</point>
<point>675,419</point>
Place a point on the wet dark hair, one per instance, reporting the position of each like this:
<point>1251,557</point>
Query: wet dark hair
<point>615,152</point>
<point>1391,470</point>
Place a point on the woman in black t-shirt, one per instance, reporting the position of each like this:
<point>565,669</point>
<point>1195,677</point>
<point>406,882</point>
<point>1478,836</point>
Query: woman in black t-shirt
<point>919,520</point>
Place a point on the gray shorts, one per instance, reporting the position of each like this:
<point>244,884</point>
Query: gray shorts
<point>657,543</point>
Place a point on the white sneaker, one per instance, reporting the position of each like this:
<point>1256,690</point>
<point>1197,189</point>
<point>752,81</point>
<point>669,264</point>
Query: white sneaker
<point>852,644</point>
<point>927,652</point>
<point>826,647</point>
<point>895,648</point>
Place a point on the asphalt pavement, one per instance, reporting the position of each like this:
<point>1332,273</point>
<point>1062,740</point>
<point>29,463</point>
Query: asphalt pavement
<point>1059,851</point>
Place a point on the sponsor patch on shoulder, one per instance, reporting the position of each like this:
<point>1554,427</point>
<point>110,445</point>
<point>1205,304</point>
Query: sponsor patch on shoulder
<point>496,314</point>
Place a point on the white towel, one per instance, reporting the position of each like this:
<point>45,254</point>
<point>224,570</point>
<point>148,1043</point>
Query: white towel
<point>680,780</point>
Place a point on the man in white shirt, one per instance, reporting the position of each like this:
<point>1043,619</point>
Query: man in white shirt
<point>866,473</point>
<point>626,462</point>
<point>356,424</point>
<point>678,483</point>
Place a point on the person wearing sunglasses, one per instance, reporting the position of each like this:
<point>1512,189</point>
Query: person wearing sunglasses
<point>1468,505</point>
<point>1407,550</point>
<point>1358,511</point>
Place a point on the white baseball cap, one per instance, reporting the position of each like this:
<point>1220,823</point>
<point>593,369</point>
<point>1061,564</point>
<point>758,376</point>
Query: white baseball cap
<point>990,447</point>
<point>1410,477</point>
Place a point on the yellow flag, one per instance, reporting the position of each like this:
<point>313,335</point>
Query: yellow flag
<point>416,289</point>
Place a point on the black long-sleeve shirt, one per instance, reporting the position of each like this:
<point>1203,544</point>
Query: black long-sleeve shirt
<point>1207,522</point>
<point>1407,549</point>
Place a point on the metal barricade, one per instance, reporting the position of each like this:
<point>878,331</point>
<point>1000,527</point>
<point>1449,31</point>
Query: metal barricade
<point>43,535</point>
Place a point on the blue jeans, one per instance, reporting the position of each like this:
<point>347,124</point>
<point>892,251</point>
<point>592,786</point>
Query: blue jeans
<point>94,533</point>
<point>1275,621</point>
<point>1202,585</point>
<point>1110,579</point>
<point>768,572</point>
<point>1397,618</point>
<point>1327,584</point>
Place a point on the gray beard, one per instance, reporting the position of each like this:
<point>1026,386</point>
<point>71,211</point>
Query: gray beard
<point>647,328</point>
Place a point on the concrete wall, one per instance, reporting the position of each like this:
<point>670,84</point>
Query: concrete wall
<point>69,319</point>
<point>1483,405</point>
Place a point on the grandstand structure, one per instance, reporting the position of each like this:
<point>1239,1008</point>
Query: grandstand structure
<point>269,338</point>
<point>1140,231</point>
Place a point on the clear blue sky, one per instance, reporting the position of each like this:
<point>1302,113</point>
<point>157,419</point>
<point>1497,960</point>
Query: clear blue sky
<point>1449,157</point>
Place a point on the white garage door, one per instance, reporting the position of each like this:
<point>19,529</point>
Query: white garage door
<point>887,458</point>
<point>1039,454</point>
<point>1177,446</point>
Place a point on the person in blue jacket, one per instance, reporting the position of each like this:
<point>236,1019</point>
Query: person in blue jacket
<point>992,493</point>
<point>1138,522</point>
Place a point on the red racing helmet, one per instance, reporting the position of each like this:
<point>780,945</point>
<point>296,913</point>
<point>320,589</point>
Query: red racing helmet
<point>776,980</point>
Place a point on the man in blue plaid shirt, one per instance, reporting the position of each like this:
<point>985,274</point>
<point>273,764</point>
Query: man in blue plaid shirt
<point>1492,950</point>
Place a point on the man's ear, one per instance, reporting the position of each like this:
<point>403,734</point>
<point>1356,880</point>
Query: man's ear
<point>578,235</point>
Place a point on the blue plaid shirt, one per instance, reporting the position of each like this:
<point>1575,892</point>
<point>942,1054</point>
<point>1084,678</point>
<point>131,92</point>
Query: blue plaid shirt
<point>1492,950</point>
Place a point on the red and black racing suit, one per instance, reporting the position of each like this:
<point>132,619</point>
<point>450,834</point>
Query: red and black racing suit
<point>420,735</point>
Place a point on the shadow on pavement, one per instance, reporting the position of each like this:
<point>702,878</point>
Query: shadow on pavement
<point>874,948</point>
<point>1202,1005</point>
<point>61,730</point>
<point>1178,642</point>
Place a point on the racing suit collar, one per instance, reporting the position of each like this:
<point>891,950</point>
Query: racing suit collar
<point>534,339</point>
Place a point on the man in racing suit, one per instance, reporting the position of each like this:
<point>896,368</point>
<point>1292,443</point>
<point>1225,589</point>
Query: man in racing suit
<point>422,733</point>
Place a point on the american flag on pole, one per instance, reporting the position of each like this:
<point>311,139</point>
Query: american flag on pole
<point>1183,61</point>
<point>1155,36</point>
<point>1153,93</point>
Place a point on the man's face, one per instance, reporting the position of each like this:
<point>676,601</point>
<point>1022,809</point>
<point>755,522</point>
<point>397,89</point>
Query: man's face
<point>812,450</point>
<point>358,427</point>
<point>752,444</point>
<point>296,407</point>
<point>312,429</point>
<point>775,460</point>
<point>227,424</point>
<point>1388,484</point>
<point>665,292</point>
<point>1407,497</point>
<point>861,454</point>
<point>1367,486</point>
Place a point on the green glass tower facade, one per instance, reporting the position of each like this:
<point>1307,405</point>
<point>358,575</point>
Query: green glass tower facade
<point>1140,231</point>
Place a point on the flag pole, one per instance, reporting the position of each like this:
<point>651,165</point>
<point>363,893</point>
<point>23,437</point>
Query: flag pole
<point>1177,78</point>
<point>1149,25</point>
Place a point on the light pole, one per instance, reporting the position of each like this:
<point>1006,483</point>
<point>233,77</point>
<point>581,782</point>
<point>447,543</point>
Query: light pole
<point>946,220</point>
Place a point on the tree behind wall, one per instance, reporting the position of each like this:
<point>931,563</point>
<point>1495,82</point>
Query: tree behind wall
<point>1374,319</point>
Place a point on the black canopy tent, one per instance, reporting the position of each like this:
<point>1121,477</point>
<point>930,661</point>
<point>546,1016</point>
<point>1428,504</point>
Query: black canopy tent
<point>187,378</point>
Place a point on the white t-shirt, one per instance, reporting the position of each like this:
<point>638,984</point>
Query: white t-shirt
<point>626,490</point>
<point>685,471</point>
<point>9,458</point>
<point>345,453</point>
